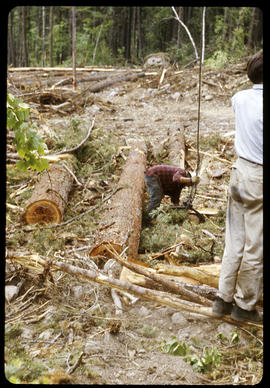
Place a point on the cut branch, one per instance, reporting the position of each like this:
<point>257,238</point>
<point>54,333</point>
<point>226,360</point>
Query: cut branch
<point>167,283</point>
<point>158,297</point>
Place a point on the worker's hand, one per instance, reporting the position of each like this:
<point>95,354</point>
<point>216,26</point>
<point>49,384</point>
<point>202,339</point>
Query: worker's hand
<point>195,179</point>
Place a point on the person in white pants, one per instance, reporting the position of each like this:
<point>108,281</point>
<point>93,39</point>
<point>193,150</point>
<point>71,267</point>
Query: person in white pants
<point>241,277</point>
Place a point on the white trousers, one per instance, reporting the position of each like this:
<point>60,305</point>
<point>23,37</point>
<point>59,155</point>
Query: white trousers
<point>241,276</point>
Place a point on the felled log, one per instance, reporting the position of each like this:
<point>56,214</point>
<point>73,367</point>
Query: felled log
<point>124,211</point>
<point>167,283</point>
<point>50,196</point>
<point>177,147</point>
<point>200,275</point>
<point>159,297</point>
<point>97,87</point>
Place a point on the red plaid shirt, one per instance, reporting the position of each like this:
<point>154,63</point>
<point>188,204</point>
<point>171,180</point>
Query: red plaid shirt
<point>167,177</point>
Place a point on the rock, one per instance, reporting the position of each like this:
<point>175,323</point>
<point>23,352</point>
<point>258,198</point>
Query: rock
<point>92,347</point>
<point>11,292</point>
<point>158,59</point>
<point>27,333</point>
<point>77,292</point>
<point>176,96</point>
<point>179,319</point>
<point>225,329</point>
<point>143,312</point>
<point>46,334</point>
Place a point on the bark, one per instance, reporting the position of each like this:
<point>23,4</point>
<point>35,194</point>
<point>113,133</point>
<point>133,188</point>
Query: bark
<point>124,212</point>
<point>51,36</point>
<point>108,82</point>
<point>43,37</point>
<point>74,47</point>
<point>177,147</point>
<point>50,196</point>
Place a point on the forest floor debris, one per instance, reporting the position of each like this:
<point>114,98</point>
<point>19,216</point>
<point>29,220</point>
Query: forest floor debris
<point>63,330</point>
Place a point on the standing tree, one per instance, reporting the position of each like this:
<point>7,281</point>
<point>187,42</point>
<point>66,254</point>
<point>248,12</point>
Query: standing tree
<point>51,36</point>
<point>74,46</point>
<point>43,37</point>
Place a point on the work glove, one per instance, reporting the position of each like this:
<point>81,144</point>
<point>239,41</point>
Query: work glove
<point>195,179</point>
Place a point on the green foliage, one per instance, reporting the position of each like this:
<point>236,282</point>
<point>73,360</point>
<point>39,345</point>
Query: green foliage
<point>208,360</point>
<point>131,33</point>
<point>175,348</point>
<point>234,338</point>
<point>29,144</point>
<point>218,60</point>
<point>204,363</point>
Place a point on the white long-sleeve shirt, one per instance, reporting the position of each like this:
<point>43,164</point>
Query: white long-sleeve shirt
<point>248,108</point>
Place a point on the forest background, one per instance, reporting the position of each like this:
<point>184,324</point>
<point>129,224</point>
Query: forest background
<point>107,35</point>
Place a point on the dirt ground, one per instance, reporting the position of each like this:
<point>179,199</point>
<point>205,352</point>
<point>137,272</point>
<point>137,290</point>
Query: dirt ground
<point>80,316</point>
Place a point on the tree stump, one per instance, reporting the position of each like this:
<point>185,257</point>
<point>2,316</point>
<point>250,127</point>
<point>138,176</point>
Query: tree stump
<point>50,196</point>
<point>121,225</point>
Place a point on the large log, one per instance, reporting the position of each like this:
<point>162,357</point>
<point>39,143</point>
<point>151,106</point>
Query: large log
<point>121,224</point>
<point>50,196</point>
<point>97,87</point>
<point>177,147</point>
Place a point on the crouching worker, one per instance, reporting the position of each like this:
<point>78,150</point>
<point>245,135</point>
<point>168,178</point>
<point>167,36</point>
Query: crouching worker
<point>164,179</point>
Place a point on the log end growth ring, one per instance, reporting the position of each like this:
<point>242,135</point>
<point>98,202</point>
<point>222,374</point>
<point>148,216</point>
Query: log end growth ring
<point>42,212</point>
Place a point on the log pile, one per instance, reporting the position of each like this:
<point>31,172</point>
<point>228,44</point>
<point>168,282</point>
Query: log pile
<point>50,89</point>
<point>180,299</point>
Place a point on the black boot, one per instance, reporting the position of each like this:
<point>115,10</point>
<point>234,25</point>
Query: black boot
<point>241,315</point>
<point>221,308</point>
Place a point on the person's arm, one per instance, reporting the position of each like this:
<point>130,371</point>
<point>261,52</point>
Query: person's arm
<point>189,181</point>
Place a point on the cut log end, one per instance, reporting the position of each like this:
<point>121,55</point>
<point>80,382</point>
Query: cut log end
<point>42,212</point>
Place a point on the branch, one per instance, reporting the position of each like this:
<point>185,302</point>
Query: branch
<point>158,297</point>
<point>79,145</point>
<point>187,31</point>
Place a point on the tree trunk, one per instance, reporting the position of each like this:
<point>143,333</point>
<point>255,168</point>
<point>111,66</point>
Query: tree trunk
<point>25,51</point>
<point>50,196</point>
<point>251,28</point>
<point>74,47</point>
<point>177,147</point>
<point>43,37</point>
<point>133,35</point>
<point>51,36</point>
<point>11,48</point>
<point>97,87</point>
<point>122,220</point>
